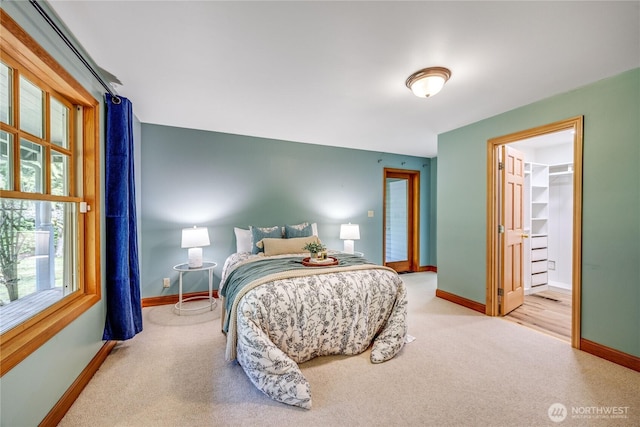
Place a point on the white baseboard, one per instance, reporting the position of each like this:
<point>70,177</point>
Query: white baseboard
<point>535,289</point>
<point>560,287</point>
<point>551,286</point>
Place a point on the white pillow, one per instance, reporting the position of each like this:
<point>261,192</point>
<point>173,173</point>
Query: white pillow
<point>314,229</point>
<point>243,239</point>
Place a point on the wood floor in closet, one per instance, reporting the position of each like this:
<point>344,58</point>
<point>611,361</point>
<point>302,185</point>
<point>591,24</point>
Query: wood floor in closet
<point>547,311</point>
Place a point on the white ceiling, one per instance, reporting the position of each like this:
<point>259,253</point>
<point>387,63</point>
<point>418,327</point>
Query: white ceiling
<point>333,73</point>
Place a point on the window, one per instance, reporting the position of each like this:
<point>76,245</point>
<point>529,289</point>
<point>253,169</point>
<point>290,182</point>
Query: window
<point>49,250</point>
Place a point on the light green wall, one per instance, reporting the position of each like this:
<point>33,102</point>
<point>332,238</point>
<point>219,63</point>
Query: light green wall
<point>611,204</point>
<point>221,181</point>
<point>33,387</point>
<point>433,215</point>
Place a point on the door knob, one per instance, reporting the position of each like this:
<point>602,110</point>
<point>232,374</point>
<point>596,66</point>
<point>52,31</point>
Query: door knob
<point>524,235</point>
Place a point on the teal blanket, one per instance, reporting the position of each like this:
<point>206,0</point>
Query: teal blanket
<point>247,273</point>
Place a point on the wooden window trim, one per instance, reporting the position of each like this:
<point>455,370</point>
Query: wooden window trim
<point>19,342</point>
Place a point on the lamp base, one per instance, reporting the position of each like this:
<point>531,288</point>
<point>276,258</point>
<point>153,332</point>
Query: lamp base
<point>348,246</point>
<point>195,257</point>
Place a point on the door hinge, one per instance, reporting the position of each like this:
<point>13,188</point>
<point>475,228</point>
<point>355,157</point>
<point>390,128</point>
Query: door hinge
<point>500,228</point>
<point>500,292</point>
<point>500,166</point>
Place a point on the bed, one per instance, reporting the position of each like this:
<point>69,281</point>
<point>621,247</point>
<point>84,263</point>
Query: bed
<point>278,312</point>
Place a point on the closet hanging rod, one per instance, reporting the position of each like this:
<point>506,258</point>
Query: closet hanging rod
<point>34,3</point>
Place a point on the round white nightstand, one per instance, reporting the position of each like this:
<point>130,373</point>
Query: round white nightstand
<point>184,268</point>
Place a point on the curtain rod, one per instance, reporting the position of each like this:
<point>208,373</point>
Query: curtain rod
<point>34,3</point>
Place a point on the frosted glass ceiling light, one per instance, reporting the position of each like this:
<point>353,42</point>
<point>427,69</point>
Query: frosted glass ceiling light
<point>428,81</point>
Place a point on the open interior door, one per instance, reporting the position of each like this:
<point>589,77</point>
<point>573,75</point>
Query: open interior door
<point>400,221</point>
<point>512,237</point>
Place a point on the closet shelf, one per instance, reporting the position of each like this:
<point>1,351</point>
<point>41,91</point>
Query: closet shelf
<point>536,212</point>
<point>561,169</point>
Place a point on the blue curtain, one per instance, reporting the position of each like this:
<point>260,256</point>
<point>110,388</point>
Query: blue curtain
<point>124,310</point>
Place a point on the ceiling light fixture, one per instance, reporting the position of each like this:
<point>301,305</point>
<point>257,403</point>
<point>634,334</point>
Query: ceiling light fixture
<point>428,81</point>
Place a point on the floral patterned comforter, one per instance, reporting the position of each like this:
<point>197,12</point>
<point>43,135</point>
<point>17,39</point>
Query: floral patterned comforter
<point>293,319</point>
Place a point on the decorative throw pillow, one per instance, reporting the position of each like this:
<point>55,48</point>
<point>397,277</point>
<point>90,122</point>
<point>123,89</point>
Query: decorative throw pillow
<point>243,239</point>
<point>259,233</point>
<point>299,230</point>
<point>294,245</point>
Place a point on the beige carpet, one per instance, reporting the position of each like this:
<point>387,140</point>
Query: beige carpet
<point>463,369</point>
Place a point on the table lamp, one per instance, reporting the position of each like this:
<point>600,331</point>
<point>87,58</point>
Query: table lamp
<point>349,233</point>
<point>194,238</point>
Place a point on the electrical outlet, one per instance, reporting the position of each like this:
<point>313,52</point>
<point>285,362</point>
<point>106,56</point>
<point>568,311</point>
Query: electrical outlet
<point>166,282</point>
<point>370,214</point>
<point>551,265</point>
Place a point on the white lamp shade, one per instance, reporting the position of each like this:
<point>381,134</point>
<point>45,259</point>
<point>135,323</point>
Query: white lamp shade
<point>349,232</point>
<point>195,237</point>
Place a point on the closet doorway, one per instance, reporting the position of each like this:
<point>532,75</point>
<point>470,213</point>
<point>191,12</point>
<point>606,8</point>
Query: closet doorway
<point>534,228</point>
